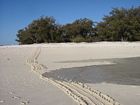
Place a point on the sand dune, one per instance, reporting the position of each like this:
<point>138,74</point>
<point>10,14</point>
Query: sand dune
<point>20,85</point>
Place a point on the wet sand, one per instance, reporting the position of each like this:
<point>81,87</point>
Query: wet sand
<point>120,79</point>
<point>124,71</point>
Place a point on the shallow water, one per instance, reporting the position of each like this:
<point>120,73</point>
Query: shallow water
<point>124,71</point>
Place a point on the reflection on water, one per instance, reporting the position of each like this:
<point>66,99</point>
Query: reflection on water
<point>125,72</point>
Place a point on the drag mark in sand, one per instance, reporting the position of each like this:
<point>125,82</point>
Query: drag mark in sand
<point>78,91</point>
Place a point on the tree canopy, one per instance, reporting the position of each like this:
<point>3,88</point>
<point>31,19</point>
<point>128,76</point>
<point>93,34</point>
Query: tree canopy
<point>40,31</point>
<point>78,30</point>
<point>120,25</point>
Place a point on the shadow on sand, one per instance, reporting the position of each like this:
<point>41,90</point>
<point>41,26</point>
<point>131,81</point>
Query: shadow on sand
<point>125,72</point>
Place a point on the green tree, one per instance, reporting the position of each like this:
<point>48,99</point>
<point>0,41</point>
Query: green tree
<point>39,31</point>
<point>121,25</point>
<point>80,29</point>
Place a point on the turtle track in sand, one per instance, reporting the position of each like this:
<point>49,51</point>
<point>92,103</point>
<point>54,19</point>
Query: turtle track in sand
<point>79,92</point>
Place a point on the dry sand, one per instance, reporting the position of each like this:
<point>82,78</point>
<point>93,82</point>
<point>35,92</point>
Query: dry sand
<point>21,86</point>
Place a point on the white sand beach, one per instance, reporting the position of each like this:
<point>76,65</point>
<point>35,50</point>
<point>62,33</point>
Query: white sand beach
<point>22,66</point>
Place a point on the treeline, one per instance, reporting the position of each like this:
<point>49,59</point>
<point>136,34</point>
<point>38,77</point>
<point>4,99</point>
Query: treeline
<point>120,25</point>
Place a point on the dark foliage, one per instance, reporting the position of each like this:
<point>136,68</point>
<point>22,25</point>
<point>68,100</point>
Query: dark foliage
<point>120,25</point>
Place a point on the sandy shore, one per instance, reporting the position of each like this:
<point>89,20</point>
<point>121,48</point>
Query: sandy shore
<point>21,86</point>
